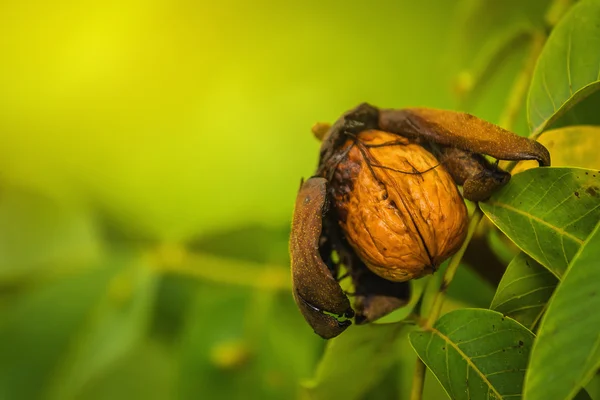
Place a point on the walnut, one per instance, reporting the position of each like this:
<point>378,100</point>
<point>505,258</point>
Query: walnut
<point>399,208</point>
<point>384,205</point>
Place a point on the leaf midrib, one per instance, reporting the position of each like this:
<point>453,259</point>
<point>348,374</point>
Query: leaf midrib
<point>468,360</point>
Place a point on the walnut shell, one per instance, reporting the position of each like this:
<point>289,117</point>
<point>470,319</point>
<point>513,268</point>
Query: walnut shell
<point>402,223</point>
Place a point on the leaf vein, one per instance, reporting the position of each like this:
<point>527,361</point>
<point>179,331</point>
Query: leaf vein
<point>581,217</point>
<point>485,335</point>
<point>548,191</point>
<point>460,327</point>
<point>448,373</point>
<point>569,44</point>
<point>467,383</point>
<point>427,348</point>
<point>537,240</point>
<point>562,246</point>
<point>529,307</point>
<point>469,362</point>
<point>524,189</point>
<point>558,230</point>
<point>505,371</point>
<point>490,354</point>
<point>525,294</point>
<point>521,278</point>
<point>545,84</point>
<point>556,206</point>
<point>539,315</point>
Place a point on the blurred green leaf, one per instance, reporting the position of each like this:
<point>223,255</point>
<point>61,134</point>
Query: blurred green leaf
<point>486,360</point>
<point>290,347</point>
<point>524,291</point>
<point>37,327</point>
<point>488,46</point>
<point>567,351</point>
<point>387,388</point>
<point>174,299</point>
<point>148,371</point>
<point>567,70</point>
<point>484,30</point>
<point>470,289</point>
<point>488,96</point>
<point>557,10</point>
<point>215,358</point>
<point>257,243</point>
<point>342,373</point>
<point>593,387</point>
<point>39,232</point>
<point>502,247</point>
<point>242,343</point>
<point>548,212</point>
<point>115,325</point>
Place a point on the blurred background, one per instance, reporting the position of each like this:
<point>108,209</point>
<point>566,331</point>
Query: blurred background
<point>150,154</point>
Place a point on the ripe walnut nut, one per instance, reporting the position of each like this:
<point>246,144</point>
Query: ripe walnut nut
<point>402,222</point>
<point>384,205</point>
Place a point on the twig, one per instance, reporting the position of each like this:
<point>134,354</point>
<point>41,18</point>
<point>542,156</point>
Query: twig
<point>177,260</point>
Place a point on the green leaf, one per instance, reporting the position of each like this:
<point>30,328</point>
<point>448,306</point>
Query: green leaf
<point>242,343</point>
<point>548,212</point>
<point>174,298</point>
<point>148,372</point>
<point>387,388</point>
<point>476,353</point>
<point>341,373</point>
<point>115,326</point>
<point>567,351</point>
<point>568,69</point>
<point>38,325</point>
<point>524,291</point>
<point>216,355</point>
